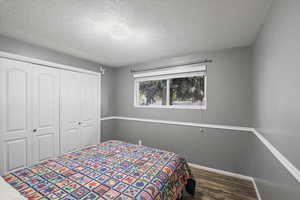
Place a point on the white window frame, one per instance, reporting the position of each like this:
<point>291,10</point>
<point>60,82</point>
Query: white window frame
<point>167,78</point>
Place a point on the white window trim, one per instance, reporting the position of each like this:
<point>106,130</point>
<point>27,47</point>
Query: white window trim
<point>168,77</point>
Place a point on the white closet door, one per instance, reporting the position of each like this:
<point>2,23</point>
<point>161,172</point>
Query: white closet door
<point>70,98</point>
<point>16,114</point>
<point>45,113</point>
<point>89,133</point>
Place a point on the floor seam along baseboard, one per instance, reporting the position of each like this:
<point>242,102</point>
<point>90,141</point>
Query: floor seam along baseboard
<point>227,173</point>
<point>279,156</point>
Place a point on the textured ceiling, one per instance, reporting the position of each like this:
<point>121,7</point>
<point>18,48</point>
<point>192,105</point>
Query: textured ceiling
<point>158,28</point>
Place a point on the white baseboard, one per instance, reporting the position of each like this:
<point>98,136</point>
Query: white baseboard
<point>235,175</point>
<point>219,171</point>
<point>256,190</point>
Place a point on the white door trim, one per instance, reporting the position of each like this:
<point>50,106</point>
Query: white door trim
<point>99,108</point>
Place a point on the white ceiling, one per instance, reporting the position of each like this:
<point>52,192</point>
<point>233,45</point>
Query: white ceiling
<point>158,28</point>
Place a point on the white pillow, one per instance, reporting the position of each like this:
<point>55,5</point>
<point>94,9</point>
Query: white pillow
<point>7,192</point>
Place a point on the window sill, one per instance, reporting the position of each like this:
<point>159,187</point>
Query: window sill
<point>175,107</point>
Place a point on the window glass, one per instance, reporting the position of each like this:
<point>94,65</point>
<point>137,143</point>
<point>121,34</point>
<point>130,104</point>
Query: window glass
<point>172,92</point>
<point>153,92</point>
<point>187,91</point>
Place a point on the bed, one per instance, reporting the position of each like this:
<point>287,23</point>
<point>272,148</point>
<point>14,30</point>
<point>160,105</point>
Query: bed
<point>111,170</point>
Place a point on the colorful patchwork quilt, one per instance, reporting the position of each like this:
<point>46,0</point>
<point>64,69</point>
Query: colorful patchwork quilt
<point>111,170</point>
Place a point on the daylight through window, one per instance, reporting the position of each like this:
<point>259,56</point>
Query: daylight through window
<point>180,91</point>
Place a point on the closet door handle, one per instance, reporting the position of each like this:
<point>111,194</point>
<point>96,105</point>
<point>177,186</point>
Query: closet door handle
<point>34,130</point>
<point>79,123</point>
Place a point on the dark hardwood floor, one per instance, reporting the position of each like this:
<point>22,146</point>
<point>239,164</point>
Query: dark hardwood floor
<point>214,186</point>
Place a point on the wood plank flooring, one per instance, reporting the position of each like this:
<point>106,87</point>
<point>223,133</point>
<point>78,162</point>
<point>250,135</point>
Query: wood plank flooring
<point>214,186</point>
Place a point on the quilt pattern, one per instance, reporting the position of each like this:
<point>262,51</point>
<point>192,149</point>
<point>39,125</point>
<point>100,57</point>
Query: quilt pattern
<point>111,170</point>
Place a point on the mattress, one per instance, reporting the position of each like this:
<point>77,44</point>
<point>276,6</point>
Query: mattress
<point>111,170</point>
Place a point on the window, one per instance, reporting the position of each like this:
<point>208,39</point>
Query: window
<point>180,90</point>
<point>153,92</point>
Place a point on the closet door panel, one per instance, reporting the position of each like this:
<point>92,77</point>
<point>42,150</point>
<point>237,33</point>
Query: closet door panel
<point>16,150</point>
<point>70,110</point>
<point>88,134</point>
<point>89,110</point>
<point>45,113</point>
<point>16,100</point>
<point>16,114</point>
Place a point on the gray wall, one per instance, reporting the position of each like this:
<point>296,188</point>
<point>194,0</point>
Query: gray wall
<point>234,151</point>
<point>108,92</point>
<point>276,87</point>
<point>274,182</point>
<point>276,79</point>
<point>220,149</point>
<point>228,88</point>
<point>230,102</point>
<point>108,130</point>
<point>276,191</point>
<point>260,163</point>
<point>108,101</point>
